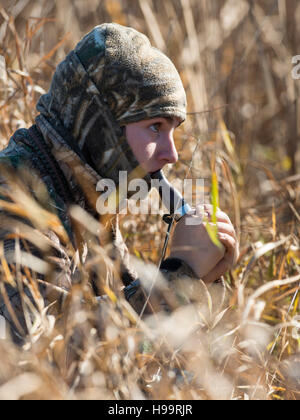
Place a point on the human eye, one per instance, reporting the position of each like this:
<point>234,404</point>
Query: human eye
<point>155,127</point>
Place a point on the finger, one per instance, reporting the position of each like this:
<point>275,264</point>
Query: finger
<point>207,210</point>
<point>231,248</point>
<point>225,228</point>
<point>218,271</point>
<point>221,216</point>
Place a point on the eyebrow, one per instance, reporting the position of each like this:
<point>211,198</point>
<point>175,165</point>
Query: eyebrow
<point>173,120</point>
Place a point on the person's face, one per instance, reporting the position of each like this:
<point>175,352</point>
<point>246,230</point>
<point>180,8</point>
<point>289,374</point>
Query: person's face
<point>152,142</point>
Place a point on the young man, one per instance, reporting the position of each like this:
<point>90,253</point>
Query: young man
<point>113,106</point>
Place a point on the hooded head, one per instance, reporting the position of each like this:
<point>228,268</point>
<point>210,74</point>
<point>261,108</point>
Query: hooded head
<point>113,77</point>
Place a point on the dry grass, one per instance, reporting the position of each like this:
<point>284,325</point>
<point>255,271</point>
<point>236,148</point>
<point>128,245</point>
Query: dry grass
<point>235,60</point>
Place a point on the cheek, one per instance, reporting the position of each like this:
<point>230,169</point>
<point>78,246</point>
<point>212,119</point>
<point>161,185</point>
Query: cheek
<point>148,150</point>
<point>144,151</point>
<point>143,148</point>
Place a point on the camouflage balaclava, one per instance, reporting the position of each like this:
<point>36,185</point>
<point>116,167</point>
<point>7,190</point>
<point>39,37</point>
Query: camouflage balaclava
<point>113,77</point>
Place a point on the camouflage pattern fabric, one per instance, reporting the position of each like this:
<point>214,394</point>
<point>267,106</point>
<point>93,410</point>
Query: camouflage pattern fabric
<point>112,77</point>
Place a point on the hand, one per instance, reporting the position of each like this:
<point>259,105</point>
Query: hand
<point>227,237</point>
<point>192,244</point>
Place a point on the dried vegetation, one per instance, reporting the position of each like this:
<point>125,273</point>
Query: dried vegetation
<point>235,60</point>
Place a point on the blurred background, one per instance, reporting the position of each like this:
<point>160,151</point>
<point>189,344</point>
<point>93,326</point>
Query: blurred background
<point>235,60</point>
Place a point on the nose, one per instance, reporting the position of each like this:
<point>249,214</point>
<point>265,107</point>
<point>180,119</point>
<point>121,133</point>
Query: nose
<point>167,151</point>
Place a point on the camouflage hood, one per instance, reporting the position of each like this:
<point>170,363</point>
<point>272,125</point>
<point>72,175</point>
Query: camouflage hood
<point>112,77</point>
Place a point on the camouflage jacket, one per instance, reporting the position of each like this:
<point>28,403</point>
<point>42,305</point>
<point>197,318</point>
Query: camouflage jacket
<point>28,150</point>
<point>113,77</point>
